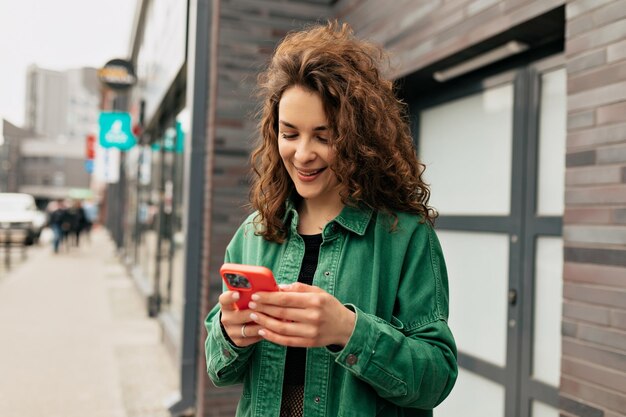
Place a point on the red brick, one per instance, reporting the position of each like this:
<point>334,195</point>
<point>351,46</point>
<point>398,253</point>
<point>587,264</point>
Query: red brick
<point>601,356</point>
<point>595,274</point>
<point>610,13</point>
<point>593,294</point>
<point>603,336</point>
<point>611,155</point>
<point>618,319</point>
<point>598,77</point>
<point>611,113</point>
<point>603,135</point>
<point>596,396</point>
<point>598,375</point>
<point>578,26</point>
<point>615,194</point>
<point>598,37</point>
<point>580,119</point>
<point>577,7</point>
<point>606,94</point>
<point>586,61</point>
<point>594,234</point>
<point>576,159</point>
<point>592,215</point>
<point>616,52</point>
<point>593,175</point>
<point>619,215</point>
<point>586,313</point>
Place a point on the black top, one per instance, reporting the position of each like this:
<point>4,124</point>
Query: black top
<point>296,357</point>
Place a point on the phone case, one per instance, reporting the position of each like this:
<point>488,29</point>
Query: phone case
<point>247,279</point>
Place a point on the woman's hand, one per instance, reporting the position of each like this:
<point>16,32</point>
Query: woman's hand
<point>233,321</point>
<point>301,315</point>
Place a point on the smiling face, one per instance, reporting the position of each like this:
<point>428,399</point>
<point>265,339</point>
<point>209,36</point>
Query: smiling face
<point>303,144</point>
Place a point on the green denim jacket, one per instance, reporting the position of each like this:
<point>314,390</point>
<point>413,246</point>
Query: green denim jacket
<point>401,357</point>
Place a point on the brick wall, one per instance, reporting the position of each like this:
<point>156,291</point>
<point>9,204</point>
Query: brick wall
<point>594,309</point>
<point>247,32</point>
<point>419,33</point>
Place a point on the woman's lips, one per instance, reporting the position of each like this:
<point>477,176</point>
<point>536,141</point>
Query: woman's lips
<point>309,175</point>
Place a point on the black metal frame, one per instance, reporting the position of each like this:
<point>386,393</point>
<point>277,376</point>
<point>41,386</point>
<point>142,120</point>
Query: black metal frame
<point>199,16</point>
<point>522,225</point>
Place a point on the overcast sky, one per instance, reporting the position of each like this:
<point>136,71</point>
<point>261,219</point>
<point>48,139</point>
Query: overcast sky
<point>59,35</point>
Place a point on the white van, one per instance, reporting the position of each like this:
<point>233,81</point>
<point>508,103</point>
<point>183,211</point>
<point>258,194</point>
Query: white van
<point>20,221</point>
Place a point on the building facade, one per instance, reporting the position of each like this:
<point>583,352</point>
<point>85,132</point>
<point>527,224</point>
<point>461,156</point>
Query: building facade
<point>62,108</point>
<point>518,110</point>
<point>11,138</point>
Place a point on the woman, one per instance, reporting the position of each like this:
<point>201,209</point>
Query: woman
<point>359,326</point>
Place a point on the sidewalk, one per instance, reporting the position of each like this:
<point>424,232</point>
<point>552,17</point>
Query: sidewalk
<point>75,339</point>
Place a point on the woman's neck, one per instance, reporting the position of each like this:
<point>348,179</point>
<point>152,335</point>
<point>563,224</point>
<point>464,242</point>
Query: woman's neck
<point>314,215</point>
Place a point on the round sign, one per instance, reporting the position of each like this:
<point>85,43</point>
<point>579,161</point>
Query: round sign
<point>118,74</point>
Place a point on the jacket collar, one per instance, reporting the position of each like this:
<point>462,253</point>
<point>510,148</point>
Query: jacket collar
<point>352,218</point>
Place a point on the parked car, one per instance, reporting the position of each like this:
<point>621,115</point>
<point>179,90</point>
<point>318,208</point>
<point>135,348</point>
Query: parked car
<point>20,221</point>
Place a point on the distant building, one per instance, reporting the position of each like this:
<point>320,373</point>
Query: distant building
<point>62,108</point>
<point>62,103</point>
<point>46,101</point>
<point>51,168</point>
<point>11,138</point>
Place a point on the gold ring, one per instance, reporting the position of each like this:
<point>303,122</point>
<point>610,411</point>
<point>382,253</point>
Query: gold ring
<point>243,331</point>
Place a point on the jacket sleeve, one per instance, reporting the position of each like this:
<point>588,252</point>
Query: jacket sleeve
<point>226,362</point>
<point>411,360</point>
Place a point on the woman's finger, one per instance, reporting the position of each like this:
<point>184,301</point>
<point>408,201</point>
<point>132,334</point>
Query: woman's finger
<point>283,327</point>
<point>290,299</point>
<point>300,315</point>
<point>227,300</point>
<point>244,334</point>
<point>283,340</point>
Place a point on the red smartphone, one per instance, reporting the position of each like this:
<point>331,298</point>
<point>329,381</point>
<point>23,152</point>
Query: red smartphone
<point>247,279</point>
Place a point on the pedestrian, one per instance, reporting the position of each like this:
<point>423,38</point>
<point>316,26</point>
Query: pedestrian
<point>57,217</point>
<point>359,327</point>
<point>77,221</point>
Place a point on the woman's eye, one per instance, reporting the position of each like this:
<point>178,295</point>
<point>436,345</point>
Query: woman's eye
<point>289,136</point>
<point>322,140</point>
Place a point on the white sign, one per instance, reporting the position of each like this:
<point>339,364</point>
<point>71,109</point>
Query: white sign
<point>107,165</point>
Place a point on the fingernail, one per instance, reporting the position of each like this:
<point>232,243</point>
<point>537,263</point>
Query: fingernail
<point>284,286</point>
<point>253,317</point>
<point>236,296</point>
<point>255,297</point>
<point>252,305</point>
<point>262,333</point>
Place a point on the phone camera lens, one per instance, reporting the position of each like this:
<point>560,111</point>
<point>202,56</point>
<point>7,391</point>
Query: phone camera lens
<point>237,281</point>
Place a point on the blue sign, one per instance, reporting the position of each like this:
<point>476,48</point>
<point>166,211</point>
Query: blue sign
<point>115,131</point>
<point>89,166</point>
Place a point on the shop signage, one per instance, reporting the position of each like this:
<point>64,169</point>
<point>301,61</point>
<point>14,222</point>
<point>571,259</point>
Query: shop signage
<point>172,141</point>
<point>118,74</point>
<point>115,131</point>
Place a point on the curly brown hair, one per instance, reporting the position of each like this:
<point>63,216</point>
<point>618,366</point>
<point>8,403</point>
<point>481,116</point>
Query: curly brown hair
<point>376,161</point>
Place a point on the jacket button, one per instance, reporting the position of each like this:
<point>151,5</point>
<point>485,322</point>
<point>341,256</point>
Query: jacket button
<point>317,400</point>
<point>351,359</point>
<point>226,353</point>
<point>327,273</point>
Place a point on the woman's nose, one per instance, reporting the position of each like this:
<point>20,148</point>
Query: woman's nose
<point>304,151</point>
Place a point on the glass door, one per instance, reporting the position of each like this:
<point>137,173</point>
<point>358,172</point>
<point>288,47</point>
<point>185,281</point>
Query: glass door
<point>493,151</point>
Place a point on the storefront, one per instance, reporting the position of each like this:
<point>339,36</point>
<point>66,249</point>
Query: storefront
<point>522,145</point>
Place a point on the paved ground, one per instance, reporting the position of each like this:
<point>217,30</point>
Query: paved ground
<point>75,339</point>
